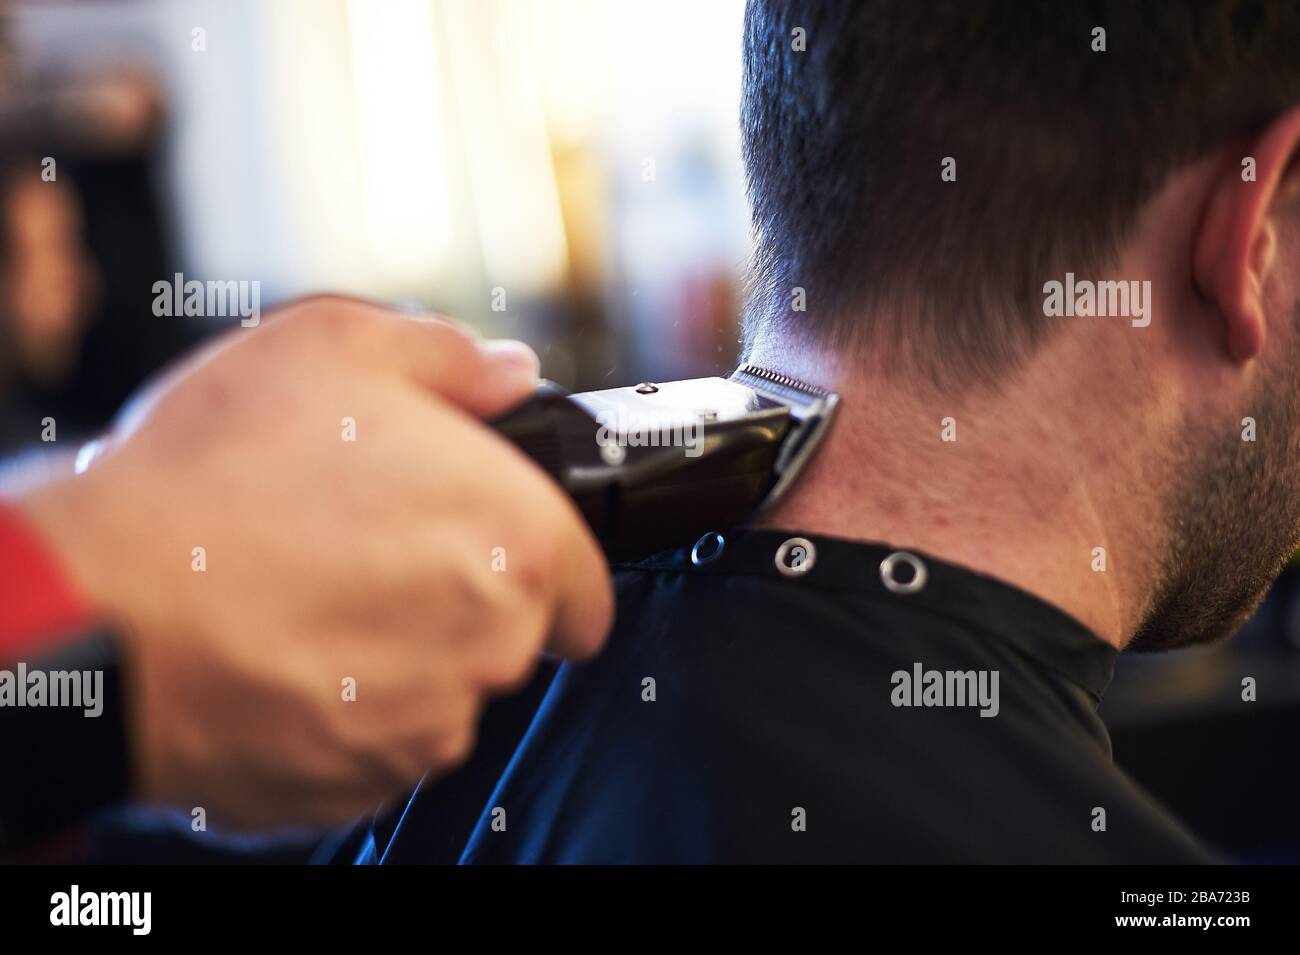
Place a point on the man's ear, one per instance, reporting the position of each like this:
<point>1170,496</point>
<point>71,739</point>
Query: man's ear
<point>1237,238</point>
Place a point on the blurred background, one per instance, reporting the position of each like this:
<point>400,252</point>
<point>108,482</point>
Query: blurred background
<point>566,172</point>
<point>562,171</point>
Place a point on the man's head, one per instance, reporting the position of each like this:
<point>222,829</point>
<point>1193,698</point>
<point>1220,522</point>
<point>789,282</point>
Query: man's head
<point>921,172</point>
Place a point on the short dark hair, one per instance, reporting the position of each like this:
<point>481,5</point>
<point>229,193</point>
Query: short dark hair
<point>1057,147</point>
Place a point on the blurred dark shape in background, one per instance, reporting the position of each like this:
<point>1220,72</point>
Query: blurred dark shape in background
<point>1182,725</point>
<point>81,243</point>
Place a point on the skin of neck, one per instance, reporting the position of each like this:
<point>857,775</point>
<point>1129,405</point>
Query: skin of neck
<point>1073,451</point>
<point>1026,491</point>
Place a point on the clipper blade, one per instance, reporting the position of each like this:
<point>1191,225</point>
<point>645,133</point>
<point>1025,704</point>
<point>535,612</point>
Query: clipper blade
<point>812,409</point>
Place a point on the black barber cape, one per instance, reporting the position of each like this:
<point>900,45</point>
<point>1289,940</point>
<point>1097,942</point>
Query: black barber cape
<point>743,714</point>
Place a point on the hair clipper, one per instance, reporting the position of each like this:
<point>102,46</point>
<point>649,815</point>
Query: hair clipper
<point>657,465</point>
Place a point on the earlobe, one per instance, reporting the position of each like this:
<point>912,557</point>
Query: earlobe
<point>1236,241</point>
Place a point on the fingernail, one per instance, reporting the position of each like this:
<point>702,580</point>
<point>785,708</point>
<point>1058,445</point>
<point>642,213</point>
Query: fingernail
<point>516,356</point>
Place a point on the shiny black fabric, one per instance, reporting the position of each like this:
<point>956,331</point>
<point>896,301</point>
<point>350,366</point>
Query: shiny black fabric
<point>773,734</point>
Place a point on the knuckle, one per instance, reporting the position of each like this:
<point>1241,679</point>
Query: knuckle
<point>541,550</point>
<point>333,319</point>
<point>453,746</point>
<point>452,333</point>
<point>533,577</point>
<point>483,598</point>
<point>511,664</point>
<point>357,740</point>
<point>388,768</point>
<point>455,346</point>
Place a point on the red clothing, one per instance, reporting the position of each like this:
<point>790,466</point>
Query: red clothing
<point>38,603</point>
<point>58,766</point>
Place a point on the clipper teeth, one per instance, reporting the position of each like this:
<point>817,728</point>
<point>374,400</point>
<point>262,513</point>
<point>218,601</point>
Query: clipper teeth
<point>782,381</point>
<point>811,410</point>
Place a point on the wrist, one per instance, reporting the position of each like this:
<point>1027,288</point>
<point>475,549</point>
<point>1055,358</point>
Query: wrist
<point>93,525</point>
<point>73,530</point>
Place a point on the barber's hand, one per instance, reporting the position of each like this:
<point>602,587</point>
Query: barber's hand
<point>374,560</point>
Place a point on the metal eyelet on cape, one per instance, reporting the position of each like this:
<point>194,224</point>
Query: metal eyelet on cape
<point>720,544</point>
<point>919,572</point>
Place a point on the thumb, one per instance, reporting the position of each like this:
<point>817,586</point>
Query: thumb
<point>514,368</point>
<point>483,378</point>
